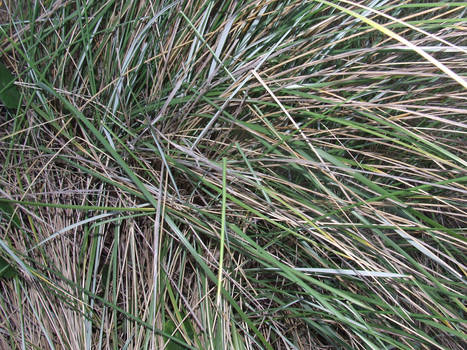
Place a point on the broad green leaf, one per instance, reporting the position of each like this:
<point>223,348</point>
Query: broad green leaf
<point>170,328</point>
<point>9,94</point>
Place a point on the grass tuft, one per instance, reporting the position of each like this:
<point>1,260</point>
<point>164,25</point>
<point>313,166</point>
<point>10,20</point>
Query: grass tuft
<point>232,174</point>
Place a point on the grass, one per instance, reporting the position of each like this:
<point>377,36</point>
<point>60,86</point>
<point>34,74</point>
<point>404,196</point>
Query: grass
<point>233,175</point>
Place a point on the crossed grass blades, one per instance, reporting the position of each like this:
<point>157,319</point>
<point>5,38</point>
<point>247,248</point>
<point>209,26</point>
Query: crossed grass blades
<point>233,175</point>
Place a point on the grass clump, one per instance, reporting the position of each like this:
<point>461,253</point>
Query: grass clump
<point>233,175</point>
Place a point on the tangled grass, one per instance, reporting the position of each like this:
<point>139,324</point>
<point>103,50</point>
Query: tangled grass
<point>234,175</point>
